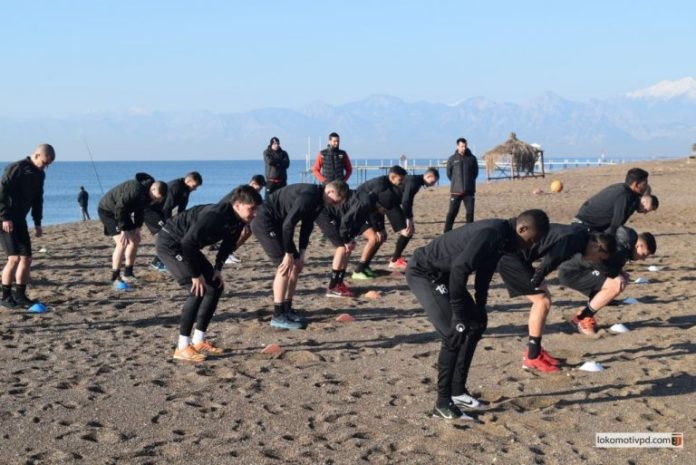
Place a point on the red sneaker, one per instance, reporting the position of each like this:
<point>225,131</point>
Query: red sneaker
<point>539,364</point>
<point>340,290</point>
<point>586,326</point>
<point>546,356</point>
<point>399,264</point>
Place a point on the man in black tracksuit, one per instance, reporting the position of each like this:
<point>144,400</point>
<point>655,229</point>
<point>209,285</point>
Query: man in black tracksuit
<point>179,244</point>
<point>601,278</point>
<point>122,212</point>
<point>274,228</point>
<point>438,273</point>
<point>341,225</point>
<point>178,192</point>
<point>83,202</point>
<point>332,163</point>
<point>462,171</point>
<point>409,188</point>
<point>277,164</point>
<point>21,190</point>
<point>558,245</point>
<point>388,191</point>
<point>614,205</point>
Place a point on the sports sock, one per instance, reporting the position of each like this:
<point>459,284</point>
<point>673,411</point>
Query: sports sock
<point>277,309</point>
<point>287,306</point>
<point>401,244</point>
<point>115,275</point>
<point>22,290</point>
<point>335,278</point>
<point>360,267</point>
<point>128,270</point>
<point>533,347</point>
<point>184,342</point>
<point>198,336</point>
<point>586,312</point>
<point>6,291</point>
<point>341,275</point>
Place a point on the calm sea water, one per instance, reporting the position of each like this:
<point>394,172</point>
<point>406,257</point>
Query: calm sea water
<point>63,180</point>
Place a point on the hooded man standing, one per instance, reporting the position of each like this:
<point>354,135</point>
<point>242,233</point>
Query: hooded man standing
<point>462,171</point>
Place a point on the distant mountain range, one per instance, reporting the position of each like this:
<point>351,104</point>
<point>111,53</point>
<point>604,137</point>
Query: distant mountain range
<point>657,121</point>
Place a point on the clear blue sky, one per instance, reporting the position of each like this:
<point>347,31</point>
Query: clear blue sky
<point>68,57</point>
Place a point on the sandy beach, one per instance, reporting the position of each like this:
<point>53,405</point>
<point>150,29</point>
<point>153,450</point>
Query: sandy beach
<point>92,381</point>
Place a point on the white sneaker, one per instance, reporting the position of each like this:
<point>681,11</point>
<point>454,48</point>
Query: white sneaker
<point>465,400</point>
<point>232,260</point>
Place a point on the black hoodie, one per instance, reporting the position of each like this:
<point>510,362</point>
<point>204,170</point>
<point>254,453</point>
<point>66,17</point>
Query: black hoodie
<point>21,190</point>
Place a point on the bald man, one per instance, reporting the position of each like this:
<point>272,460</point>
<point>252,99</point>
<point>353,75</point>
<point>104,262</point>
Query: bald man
<point>21,190</point>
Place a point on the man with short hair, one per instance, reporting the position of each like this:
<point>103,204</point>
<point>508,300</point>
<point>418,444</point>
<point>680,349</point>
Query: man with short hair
<point>274,227</point>
<point>258,182</point>
<point>332,163</point>
<point>83,202</point>
<point>179,243</point>
<point>122,212</point>
<point>21,190</point>
<point>178,192</point>
<point>410,187</point>
<point>387,188</point>
<point>277,164</point>
<point>438,273</point>
<point>602,279</point>
<point>462,171</point>
<point>613,206</point>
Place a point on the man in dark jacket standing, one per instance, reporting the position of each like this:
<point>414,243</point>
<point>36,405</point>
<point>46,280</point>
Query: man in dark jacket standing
<point>83,201</point>
<point>277,164</point>
<point>332,163</point>
<point>122,212</point>
<point>21,190</point>
<point>462,171</point>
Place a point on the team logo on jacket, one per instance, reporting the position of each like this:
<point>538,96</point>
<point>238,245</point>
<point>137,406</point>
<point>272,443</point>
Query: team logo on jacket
<point>442,289</point>
<point>595,273</point>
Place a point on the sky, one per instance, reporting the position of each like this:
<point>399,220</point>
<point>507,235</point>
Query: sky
<point>60,58</point>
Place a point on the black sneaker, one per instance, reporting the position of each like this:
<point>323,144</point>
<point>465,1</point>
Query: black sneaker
<point>292,315</point>
<point>23,301</point>
<point>8,302</point>
<point>449,412</point>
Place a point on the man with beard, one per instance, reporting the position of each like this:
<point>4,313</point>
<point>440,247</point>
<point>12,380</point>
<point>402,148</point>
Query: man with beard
<point>462,171</point>
<point>332,163</point>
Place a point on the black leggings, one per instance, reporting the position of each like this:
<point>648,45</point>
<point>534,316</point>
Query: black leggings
<point>454,204</point>
<point>453,363</point>
<point>200,309</point>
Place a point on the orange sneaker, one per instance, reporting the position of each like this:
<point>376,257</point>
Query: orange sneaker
<point>189,354</point>
<point>538,364</point>
<point>399,264</point>
<point>206,347</point>
<point>586,326</point>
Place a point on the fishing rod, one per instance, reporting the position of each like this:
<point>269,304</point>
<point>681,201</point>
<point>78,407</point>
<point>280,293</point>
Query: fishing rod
<point>94,167</point>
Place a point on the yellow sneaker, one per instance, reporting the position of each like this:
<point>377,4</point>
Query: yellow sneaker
<point>189,354</point>
<point>208,348</point>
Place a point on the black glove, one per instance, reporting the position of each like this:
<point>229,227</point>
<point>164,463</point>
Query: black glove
<point>457,333</point>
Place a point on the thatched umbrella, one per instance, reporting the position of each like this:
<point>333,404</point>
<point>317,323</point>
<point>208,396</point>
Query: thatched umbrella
<point>520,155</point>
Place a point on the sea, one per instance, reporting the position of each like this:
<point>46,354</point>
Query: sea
<point>64,178</point>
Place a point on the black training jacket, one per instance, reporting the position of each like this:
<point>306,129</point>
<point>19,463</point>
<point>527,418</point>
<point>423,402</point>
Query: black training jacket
<point>201,226</point>
<point>177,197</point>
<point>21,190</point>
<point>609,208</point>
<point>83,198</point>
<point>388,195</point>
<point>354,213</point>
<point>558,245</point>
<point>333,164</point>
<point>126,199</point>
<point>474,247</point>
<point>277,163</point>
<point>462,171</point>
<point>412,184</point>
<point>626,239</point>
<point>294,204</point>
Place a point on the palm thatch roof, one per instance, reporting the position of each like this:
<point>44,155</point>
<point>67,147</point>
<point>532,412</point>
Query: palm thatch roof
<point>521,155</point>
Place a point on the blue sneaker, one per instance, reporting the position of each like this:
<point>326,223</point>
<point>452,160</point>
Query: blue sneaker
<point>120,286</point>
<point>283,322</point>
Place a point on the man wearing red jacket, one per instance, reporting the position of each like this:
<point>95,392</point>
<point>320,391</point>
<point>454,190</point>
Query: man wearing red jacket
<point>332,163</point>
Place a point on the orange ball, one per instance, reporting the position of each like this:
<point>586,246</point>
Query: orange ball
<point>556,186</point>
